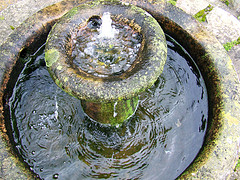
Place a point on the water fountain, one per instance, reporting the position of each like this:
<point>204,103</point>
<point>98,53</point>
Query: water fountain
<point>109,67</point>
<point>142,146</point>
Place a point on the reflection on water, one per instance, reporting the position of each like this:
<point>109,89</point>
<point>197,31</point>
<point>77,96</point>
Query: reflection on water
<point>57,140</point>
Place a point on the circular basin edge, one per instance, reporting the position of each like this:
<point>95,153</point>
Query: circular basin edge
<point>219,154</point>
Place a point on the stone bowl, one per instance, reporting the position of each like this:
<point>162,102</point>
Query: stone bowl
<point>114,98</point>
<point>143,72</point>
<point>219,154</point>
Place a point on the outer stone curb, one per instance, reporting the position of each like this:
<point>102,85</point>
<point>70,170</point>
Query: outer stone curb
<point>15,14</point>
<point>223,25</point>
<point>192,6</point>
<point>221,21</point>
<point>219,154</point>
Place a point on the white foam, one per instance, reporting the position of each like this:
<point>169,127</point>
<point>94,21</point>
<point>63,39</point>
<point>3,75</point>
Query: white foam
<point>106,30</point>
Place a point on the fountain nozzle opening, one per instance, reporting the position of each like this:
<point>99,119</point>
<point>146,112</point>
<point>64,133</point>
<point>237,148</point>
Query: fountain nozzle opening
<point>94,22</point>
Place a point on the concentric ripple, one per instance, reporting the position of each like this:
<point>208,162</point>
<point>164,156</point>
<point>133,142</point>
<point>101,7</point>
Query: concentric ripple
<point>58,141</point>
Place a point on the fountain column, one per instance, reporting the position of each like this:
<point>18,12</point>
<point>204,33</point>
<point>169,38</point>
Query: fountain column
<point>106,71</point>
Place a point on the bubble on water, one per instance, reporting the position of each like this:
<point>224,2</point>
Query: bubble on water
<point>55,176</point>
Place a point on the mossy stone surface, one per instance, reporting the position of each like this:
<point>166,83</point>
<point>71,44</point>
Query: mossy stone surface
<point>111,113</point>
<point>143,72</point>
<point>102,94</point>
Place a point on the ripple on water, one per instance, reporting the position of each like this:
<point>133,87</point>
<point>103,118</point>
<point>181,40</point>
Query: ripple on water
<point>58,141</point>
<point>97,54</point>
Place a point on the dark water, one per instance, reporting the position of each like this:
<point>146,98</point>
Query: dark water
<point>57,140</point>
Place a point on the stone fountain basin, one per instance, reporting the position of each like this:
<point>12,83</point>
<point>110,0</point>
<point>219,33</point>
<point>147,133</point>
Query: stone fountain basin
<point>219,153</point>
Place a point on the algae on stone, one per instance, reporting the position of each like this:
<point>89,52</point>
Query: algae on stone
<point>173,2</point>
<point>229,45</point>
<point>51,56</point>
<point>12,28</point>
<point>201,15</point>
<point>226,2</point>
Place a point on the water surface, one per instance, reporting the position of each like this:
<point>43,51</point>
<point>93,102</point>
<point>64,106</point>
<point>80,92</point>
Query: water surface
<point>58,141</point>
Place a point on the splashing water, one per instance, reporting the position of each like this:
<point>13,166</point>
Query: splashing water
<point>106,30</point>
<point>105,48</point>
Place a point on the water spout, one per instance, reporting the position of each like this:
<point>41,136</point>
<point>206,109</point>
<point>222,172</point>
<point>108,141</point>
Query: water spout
<point>106,30</point>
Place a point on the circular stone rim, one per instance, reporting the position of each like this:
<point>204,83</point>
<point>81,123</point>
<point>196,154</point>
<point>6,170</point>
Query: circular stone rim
<point>142,74</point>
<point>220,151</point>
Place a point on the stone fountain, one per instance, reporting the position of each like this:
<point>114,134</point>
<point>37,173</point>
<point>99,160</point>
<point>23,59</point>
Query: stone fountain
<point>218,154</point>
<point>109,84</point>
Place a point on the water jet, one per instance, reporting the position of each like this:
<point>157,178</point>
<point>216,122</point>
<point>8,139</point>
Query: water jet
<point>221,140</point>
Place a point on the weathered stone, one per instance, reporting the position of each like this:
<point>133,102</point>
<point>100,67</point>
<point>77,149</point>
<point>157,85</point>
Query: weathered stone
<point>224,158</point>
<point>15,14</point>
<point>104,93</point>
<point>236,5</point>
<point>234,54</point>
<point>224,26</point>
<point>192,6</point>
<point>5,4</point>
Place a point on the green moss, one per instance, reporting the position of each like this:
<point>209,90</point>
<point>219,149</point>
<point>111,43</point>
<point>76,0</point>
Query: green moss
<point>59,68</point>
<point>2,18</point>
<point>12,27</point>
<point>229,45</point>
<point>51,56</point>
<point>138,10</point>
<point>238,165</point>
<point>201,15</point>
<point>112,113</point>
<point>65,79</point>
<point>173,2</point>
<point>71,13</point>
<point>57,81</point>
<point>97,2</point>
<point>226,2</point>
